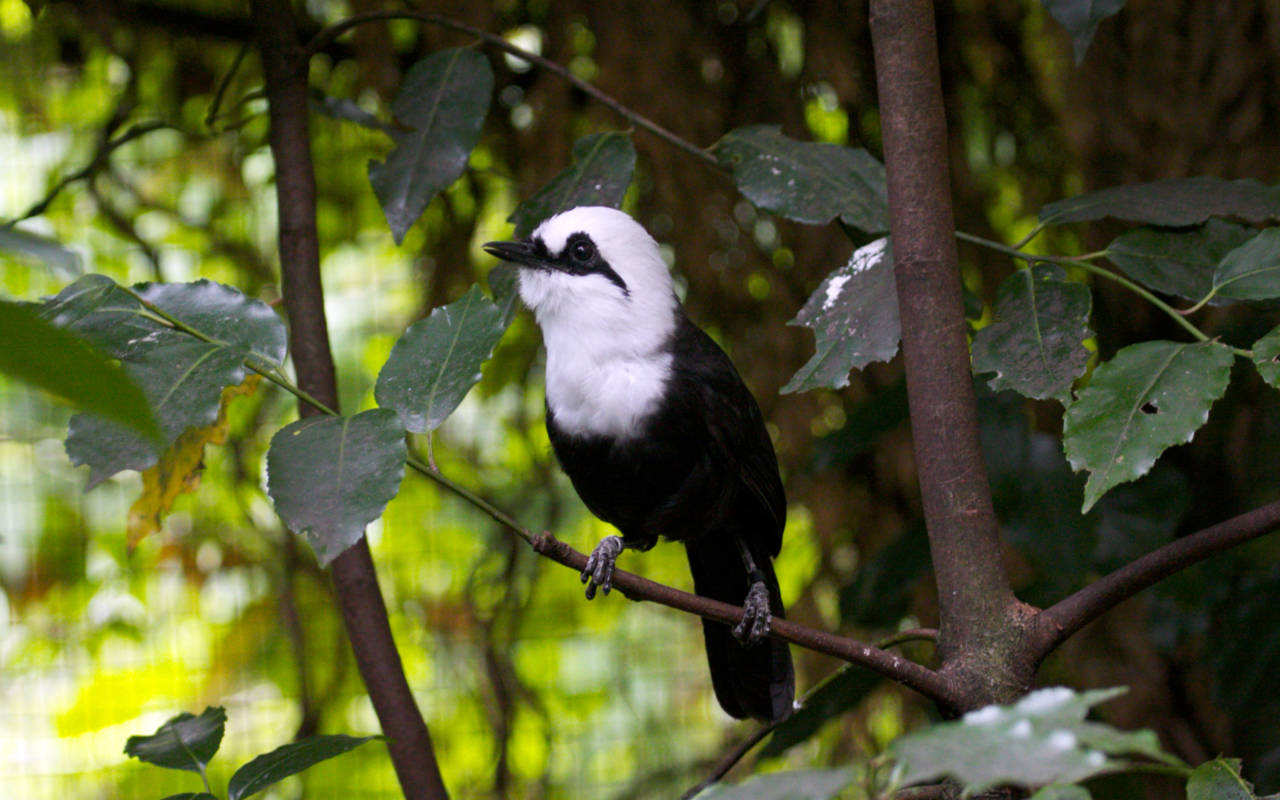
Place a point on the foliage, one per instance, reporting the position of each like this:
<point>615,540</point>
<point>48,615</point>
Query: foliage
<point>188,742</point>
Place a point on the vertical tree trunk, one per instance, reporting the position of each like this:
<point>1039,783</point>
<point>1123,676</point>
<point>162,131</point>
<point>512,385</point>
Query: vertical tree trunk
<point>978,612</point>
<point>363,610</point>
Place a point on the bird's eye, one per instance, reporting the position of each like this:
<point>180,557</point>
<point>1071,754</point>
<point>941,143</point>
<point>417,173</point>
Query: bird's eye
<point>582,251</point>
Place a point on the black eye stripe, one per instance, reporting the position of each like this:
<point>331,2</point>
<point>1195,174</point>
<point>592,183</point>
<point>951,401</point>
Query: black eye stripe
<point>580,256</point>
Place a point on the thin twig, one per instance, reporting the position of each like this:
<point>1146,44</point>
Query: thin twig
<point>730,759</point>
<point>329,34</point>
<point>912,635</point>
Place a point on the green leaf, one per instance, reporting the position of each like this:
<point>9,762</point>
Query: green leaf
<point>1177,262</point>
<point>183,383</point>
<point>1081,18</point>
<point>443,100</point>
<point>504,283</point>
<point>810,182</point>
<point>1218,780</point>
<point>1060,791</point>
<point>601,172</point>
<point>347,109</point>
<point>290,759</point>
<point>99,310</point>
<point>1042,739</point>
<point>841,693</point>
<point>1036,343</point>
<point>225,314</point>
<point>438,359</point>
<point>1148,398</point>
<point>814,784</point>
<point>854,316</point>
<point>1266,357</point>
<point>184,742</point>
<point>331,476</point>
<point>67,366</point>
<point>1172,203</point>
<point>16,240</point>
<point>1252,270</point>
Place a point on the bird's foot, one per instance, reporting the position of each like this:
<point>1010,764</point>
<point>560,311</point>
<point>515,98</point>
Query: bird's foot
<point>598,573</point>
<point>757,619</point>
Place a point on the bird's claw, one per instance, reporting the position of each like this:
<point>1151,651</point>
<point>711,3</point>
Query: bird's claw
<point>598,573</point>
<point>757,619</point>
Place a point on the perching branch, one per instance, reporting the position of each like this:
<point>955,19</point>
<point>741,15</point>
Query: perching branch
<point>1059,622</point>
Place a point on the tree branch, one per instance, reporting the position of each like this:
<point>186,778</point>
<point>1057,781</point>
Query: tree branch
<point>976,602</point>
<point>284,65</point>
<point>326,37</point>
<point>929,683</point>
<point>1059,622</point>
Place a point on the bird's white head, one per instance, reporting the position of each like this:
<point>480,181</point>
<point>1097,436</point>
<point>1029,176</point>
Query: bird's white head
<point>594,270</point>
<point>601,293</point>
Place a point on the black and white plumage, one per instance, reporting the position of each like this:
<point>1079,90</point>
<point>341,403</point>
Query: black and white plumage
<point>659,435</point>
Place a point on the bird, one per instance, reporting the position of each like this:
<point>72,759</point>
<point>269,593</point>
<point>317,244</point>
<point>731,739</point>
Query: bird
<point>659,436</point>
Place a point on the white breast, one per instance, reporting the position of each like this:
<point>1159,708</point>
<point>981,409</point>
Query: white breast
<point>609,396</point>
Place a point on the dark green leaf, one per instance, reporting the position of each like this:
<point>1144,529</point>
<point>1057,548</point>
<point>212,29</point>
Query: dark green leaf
<point>865,424</point>
<point>443,100</point>
<point>1177,262</point>
<point>225,314</point>
<point>843,692</point>
<point>1081,18</point>
<point>64,261</point>
<point>1252,270</point>
<point>879,593</point>
<point>99,310</point>
<point>290,759</point>
<point>67,366</point>
<point>1042,739</point>
<point>1035,345</point>
<point>854,316</point>
<point>438,359</point>
<point>1172,203</point>
<point>810,182</point>
<point>184,742</point>
<point>1148,398</point>
<point>815,784</point>
<point>331,476</point>
<point>1059,791</point>
<point>600,175</point>
<point>1266,357</point>
<point>183,382</point>
<point>1218,780</point>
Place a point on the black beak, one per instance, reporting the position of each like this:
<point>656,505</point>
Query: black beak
<point>516,252</point>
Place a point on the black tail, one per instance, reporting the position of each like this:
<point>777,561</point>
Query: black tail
<point>750,681</point>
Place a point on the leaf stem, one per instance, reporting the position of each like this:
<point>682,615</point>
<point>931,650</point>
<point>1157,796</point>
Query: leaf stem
<point>1084,263</point>
<point>498,515</point>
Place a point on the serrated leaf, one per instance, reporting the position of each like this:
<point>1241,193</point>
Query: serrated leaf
<point>843,692</point>
<point>178,470</point>
<point>1252,270</point>
<point>51,252</point>
<point>1266,357</point>
<point>602,167</point>
<point>1219,780</point>
<point>99,310</point>
<point>1177,262</point>
<point>438,359</point>
<point>183,382</point>
<point>809,182</point>
<point>67,366</point>
<point>289,759</point>
<point>854,316</point>
<point>1148,398</point>
<point>1172,203</point>
<point>329,477</point>
<point>1035,345</point>
<point>814,784</point>
<point>443,101</point>
<point>1081,18</point>
<point>185,742</point>
<point>1041,740</point>
<point>1060,791</point>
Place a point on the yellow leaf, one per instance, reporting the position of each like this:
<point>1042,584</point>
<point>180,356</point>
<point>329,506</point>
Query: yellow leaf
<point>178,470</point>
